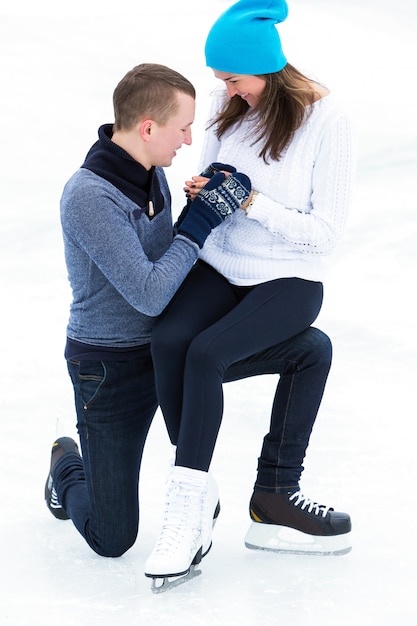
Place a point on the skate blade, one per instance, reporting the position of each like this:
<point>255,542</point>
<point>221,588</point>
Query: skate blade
<point>290,541</point>
<point>162,585</point>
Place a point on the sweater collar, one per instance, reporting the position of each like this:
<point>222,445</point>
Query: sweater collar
<point>111,162</point>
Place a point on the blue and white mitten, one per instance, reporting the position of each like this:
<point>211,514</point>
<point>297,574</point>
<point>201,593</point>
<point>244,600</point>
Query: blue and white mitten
<point>220,197</point>
<point>214,168</point>
<point>209,172</point>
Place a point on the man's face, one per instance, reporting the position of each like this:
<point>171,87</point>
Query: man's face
<point>168,138</point>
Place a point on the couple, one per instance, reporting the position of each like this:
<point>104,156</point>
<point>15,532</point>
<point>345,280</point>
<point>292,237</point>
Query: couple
<point>230,292</point>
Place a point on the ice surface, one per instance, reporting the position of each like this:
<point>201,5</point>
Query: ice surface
<point>59,65</point>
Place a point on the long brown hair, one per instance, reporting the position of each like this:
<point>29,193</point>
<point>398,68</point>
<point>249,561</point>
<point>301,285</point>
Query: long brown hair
<point>279,113</point>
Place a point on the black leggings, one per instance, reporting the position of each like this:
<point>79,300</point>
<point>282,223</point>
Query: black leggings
<point>209,325</point>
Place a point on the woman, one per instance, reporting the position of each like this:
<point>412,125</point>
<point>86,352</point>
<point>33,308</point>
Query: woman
<point>258,283</point>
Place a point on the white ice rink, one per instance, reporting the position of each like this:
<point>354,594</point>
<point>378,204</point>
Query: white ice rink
<point>59,65</point>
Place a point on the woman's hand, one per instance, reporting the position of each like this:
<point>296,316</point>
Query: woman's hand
<point>193,186</point>
<point>197,183</point>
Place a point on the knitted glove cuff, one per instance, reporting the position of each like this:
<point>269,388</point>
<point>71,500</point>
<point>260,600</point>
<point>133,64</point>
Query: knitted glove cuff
<point>214,168</point>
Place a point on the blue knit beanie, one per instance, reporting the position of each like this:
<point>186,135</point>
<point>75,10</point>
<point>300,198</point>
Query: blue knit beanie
<point>244,39</point>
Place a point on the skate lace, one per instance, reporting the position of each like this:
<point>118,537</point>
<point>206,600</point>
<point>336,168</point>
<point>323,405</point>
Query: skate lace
<point>54,503</point>
<point>180,508</point>
<point>305,503</point>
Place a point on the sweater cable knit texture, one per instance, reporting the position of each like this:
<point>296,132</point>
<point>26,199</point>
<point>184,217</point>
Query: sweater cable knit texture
<point>299,215</point>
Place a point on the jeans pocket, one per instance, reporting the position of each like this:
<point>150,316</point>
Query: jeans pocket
<point>91,378</point>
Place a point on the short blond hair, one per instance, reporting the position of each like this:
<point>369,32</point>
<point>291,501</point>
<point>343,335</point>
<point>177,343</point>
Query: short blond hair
<point>148,90</point>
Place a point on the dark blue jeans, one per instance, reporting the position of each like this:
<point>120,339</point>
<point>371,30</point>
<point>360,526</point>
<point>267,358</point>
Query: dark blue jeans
<point>303,363</point>
<point>208,334</point>
<point>115,404</point>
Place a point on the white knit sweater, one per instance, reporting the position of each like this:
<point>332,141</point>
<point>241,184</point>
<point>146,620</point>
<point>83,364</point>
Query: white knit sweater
<point>300,213</point>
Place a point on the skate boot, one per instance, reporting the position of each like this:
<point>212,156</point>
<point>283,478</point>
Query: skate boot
<point>211,510</point>
<point>59,447</point>
<point>191,507</point>
<point>290,522</point>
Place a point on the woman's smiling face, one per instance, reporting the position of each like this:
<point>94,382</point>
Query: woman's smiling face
<point>247,86</point>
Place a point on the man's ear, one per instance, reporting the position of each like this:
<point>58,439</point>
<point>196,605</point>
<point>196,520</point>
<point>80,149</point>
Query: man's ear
<point>146,129</point>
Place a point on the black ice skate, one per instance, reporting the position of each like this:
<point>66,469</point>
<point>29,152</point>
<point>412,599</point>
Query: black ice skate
<point>59,447</point>
<point>290,522</point>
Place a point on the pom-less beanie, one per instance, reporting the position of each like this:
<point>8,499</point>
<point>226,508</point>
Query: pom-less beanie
<point>244,39</point>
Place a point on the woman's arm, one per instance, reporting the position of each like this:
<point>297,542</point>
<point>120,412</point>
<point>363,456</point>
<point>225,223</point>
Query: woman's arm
<point>318,229</point>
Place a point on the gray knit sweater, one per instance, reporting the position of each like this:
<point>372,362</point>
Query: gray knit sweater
<point>123,265</point>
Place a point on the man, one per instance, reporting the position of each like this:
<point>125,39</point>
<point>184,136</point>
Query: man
<point>124,265</point>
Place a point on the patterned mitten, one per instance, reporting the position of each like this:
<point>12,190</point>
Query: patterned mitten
<point>221,197</point>
<point>212,169</point>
